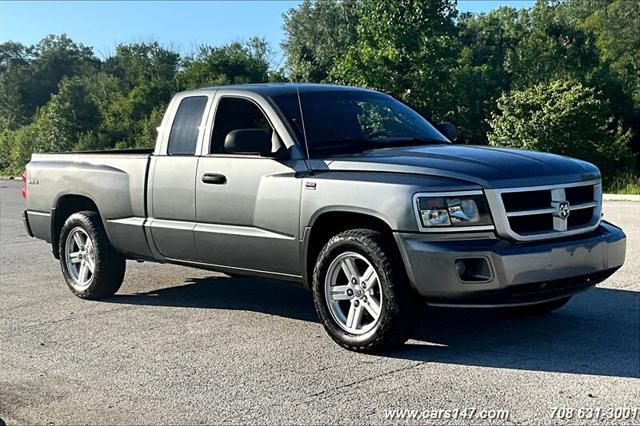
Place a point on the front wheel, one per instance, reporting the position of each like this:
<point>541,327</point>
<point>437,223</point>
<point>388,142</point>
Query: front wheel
<point>362,294</point>
<point>92,268</point>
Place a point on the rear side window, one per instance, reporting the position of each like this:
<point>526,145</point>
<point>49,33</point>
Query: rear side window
<point>184,130</point>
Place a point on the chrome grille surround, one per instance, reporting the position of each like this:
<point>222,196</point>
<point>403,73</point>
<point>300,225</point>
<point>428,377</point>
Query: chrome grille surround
<point>559,225</point>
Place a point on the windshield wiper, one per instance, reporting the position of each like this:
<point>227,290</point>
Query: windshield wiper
<point>345,145</point>
<point>411,141</point>
<point>349,145</point>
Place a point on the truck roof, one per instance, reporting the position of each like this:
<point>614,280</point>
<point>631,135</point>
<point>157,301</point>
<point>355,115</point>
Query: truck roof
<point>271,89</point>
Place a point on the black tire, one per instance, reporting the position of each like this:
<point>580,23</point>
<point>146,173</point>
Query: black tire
<point>109,265</point>
<point>540,308</point>
<point>400,307</point>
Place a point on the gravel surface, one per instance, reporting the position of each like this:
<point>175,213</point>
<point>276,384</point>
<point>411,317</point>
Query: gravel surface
<point>179,345</point>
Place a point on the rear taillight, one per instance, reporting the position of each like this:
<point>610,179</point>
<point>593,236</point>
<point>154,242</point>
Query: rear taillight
<point>24,184</point>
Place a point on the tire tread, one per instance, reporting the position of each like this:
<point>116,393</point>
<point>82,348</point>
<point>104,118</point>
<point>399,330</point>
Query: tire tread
<point>110,265</point>
<point>401,314</point>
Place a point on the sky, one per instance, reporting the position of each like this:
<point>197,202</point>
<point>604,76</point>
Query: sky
<point>181,25</point>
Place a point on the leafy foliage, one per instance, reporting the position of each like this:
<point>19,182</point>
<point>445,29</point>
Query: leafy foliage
<point>616,27</point>
<point>234,63</point>
<point>484,71</point>
<point>56,96</point>
<point>30,74</point>
<point>69,113</point>
<point>406,48</point>
<point>562,117</point>
<point>317,33</point>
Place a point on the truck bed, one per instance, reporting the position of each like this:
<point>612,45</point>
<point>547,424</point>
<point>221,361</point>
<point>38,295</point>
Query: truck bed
<point>115,181</point>
<point>134,151</point>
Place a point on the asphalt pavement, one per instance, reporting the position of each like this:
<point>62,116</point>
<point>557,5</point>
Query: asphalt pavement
<point>183,346</point>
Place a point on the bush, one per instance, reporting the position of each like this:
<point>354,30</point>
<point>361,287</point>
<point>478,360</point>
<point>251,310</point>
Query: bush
<point>25,141</point>
<point>6,142</point>
<point>566,118</point>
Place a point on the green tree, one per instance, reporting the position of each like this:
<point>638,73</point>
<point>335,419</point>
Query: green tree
<point>146,137</point>
<point>562,117</point>
<point>406,48</point>
<point>615,25</point>
<point>56,57</point>
<point>488,42</point>
<point>317,33</point>
<point>70,113</point>
<point>13,113</point>
<point>553,47</point>
<point>139,63</point>
<point>124,115</point>
<point>69,117</point>
<point>148,76</point>
<point>234,63</point>
<point>6,145</point>
<point>23,142</point>
<point>15,77</point>
<point>30,75</point>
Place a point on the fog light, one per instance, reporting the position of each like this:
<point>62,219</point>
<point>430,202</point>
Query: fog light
<point>473,269</point>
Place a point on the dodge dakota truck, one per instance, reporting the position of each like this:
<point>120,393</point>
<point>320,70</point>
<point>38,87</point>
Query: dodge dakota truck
<point>346,191</point>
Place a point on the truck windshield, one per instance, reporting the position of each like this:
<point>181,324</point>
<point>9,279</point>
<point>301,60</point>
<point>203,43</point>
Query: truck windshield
<point>342,121</point>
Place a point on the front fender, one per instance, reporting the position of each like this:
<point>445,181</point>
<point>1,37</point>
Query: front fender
<point>385,196</point>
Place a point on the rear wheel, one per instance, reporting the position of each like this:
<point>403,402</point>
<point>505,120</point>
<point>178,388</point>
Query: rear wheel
<point>362,294</point>
<point>92,268</point>
<point>540,308</point>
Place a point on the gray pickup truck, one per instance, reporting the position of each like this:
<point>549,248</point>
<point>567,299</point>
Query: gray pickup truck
<point>346,191</point>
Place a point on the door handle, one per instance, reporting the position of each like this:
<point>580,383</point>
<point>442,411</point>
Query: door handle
<point>214,179</point>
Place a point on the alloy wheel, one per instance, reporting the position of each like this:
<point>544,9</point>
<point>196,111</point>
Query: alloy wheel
<point>80,257</point>
<point>353,293</point>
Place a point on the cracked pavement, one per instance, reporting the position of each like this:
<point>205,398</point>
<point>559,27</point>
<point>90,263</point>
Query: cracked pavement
<point>183,346</point>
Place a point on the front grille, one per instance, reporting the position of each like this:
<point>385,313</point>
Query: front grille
<point>579,218</point>
<point>531,224</point>
<point>529,200</point>
<point>546,212</point>
<point>579,194</point>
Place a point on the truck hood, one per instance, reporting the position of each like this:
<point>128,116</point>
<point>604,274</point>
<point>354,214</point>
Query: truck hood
<point>486,166</point>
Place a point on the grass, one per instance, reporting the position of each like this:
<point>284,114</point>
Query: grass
<point>628,183</point>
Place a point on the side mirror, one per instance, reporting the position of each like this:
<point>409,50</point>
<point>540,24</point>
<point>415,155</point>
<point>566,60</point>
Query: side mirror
<point>449,130</point>
<point>248,141</point>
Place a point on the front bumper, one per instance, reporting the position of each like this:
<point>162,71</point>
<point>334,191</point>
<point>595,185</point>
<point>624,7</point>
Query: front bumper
<point>520,273</point>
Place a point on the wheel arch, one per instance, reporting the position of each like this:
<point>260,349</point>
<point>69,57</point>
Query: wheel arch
<point>64,206</point>
<point>329,223</point>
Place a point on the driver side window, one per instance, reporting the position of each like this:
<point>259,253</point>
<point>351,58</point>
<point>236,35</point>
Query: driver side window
<point>236,114</point>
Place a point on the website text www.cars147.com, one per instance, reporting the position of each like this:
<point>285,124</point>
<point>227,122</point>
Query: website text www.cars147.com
<point>467,413</point>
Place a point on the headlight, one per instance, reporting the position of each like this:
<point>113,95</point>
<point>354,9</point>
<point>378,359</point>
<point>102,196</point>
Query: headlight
<point>454,210</point>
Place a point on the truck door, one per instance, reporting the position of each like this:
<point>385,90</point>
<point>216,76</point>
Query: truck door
<point>172,175</point>
<point>247,205</point>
